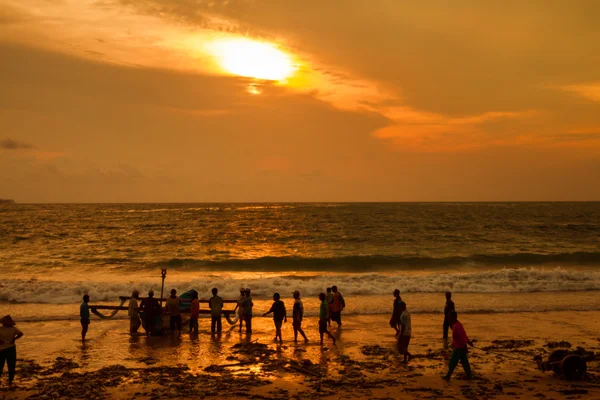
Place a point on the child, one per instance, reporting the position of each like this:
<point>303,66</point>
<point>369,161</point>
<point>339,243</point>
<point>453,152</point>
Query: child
<point>194,313</point>
<point>324,317</point>
<point>216,305</point>
<point>297,314</point>
<point>279,315</point>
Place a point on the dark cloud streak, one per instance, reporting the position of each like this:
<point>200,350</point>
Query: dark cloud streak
<point>11,144</point>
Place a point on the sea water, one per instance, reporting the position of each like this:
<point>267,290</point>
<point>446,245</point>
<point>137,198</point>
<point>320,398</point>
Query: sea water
<point>495,257</point>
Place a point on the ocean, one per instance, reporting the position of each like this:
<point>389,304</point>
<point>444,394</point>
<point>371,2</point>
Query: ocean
<point>494,257</point>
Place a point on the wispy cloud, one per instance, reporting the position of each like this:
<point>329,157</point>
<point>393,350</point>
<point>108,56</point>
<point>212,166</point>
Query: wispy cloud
<point>590,90</point>
<point>11,144</point>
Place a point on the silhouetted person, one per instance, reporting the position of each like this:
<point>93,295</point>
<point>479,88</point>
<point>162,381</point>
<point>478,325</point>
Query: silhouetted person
<point>460,342</point>
<point>248,304</point>
<point>338,305</point>
<point>8,351</point>
<point>194,313</point>
<point>323,317</point>
<point>174,310</point>
<point>84,314</point>
<point>395,320</point>
<point>279,315</point>
<point>152,314</point>
<point>239,307</point>
<point>134,313</point>
<point>216,305</point>
<point>447,310</point>
<point>297,315</point>
<point>405,332</point>
<point>329,304</point>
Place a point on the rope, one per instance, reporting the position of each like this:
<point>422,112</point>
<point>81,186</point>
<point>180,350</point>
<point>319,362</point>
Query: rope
<point>99,314</point>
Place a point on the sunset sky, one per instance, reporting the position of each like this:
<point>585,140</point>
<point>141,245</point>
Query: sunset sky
<point>299,100</point>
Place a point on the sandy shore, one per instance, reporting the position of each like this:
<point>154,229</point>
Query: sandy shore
<point>364,364</point>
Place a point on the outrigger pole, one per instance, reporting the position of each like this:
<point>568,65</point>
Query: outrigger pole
<point>163,274</point>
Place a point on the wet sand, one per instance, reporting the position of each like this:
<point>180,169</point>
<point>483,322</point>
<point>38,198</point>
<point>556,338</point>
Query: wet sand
<point>363,364</point>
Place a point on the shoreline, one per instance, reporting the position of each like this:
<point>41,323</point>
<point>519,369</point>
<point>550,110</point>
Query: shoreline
<point>364,363</point>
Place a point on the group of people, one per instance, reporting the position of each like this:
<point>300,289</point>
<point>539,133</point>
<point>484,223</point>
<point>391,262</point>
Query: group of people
<point>401,323</point>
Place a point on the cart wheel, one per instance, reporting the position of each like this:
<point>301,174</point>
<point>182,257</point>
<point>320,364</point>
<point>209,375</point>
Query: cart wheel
<point>573,367</point>
<point>555,358</point>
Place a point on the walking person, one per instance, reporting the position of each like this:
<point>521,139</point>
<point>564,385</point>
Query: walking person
<point>448,308</point>
<point>248,304</point>
<point>338,305</point>
<point>216,305</point>
<point>395,320</point>
<point>174,310</point>
<point>405,332</point>
<point>240,307</point>
<point>134,313</point>
<point>297,314</point>
<point>84,314</point>
<point>323,317</point>
<point>279,315</point>
<point>8,350</point>
<point>460,342</point>
<point>194,313</point>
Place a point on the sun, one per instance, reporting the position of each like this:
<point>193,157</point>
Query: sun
<point>253,59</point>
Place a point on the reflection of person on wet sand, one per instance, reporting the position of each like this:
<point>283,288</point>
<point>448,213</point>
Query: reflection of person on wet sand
<point>323,317</point>
<point>134,313</point>
<point>84,314</point>
<point>460,342</point>
<point>447,310</point>
<point>279,315</point>
<point>405,332</point>
<point>297,314</point>
<point>395,320</point>
<point>8,350</point>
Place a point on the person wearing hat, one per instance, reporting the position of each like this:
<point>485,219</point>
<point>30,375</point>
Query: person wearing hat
<point>297,314</point>
<point>134,313</point>
<point>8,350</point>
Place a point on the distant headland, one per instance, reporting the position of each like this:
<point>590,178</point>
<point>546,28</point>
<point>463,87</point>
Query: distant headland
<point>7,201</point>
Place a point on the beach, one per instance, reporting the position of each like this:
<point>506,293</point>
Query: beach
<point>363,364</point>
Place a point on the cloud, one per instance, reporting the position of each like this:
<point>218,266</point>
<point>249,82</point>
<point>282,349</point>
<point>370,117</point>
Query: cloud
<point>590,90</point>
<point>11,144</point>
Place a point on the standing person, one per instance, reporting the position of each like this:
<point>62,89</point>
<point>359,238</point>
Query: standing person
<point>323,317</point>
<point>460,342</point>
<point>84,314</point>
<point>279,315</point>
<point>152,313</point>
<point>240,307</point>
<point>174,310</point>
<point>248,304</point>
<point>194,313</point>
<point>338,305</point>
<point>216,305</point>
<point>395,320</point>
<point>134,313</point>
<point>405,332</point>
<point>8,350</point>
<point>447,310</point>
<point>329,305</point>
<point>297,314</point>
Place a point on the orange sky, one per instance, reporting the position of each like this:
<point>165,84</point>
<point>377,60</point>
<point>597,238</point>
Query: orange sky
<point>387,100</point>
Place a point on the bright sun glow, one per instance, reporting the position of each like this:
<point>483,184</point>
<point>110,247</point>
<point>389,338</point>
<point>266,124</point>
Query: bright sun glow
<point>246,57</point>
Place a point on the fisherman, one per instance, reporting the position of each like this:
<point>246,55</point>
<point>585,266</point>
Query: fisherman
<point>324,317</point>
<point>297,314</point>
<point>8,350</point>
<point>405,332</point>
<point>239,307</point>
<point>329,305</point>
<point>194,313</point>
<point>134,313</point>
<point>279,315</point>
<point>248,304</point>
<point>338,305</point>
<point>447,310</point>
<point>84,314</point>
<point>460,342</point>
<point>174,310</point>
<point>152,315</point>
<point>395,320</point>
<point>216,305</point>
